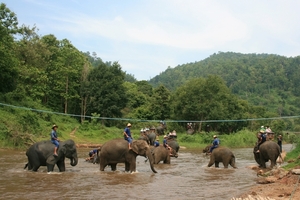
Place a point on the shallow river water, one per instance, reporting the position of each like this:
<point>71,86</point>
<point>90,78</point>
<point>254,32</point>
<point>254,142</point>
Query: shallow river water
<point>187,177</point>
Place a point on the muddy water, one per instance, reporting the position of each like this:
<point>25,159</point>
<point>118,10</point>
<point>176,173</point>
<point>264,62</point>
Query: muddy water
<point>187,177</point>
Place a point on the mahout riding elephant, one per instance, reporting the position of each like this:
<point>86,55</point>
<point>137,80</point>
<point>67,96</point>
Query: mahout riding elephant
<point>268,150</point>
<point>117,151</point>
<point>41,154</point>
<point>221,154</point>
<point>174,145</point>
<point>160,130</point>
<point>161,153</point>
<point>190,128</point>
<point>151,136</point>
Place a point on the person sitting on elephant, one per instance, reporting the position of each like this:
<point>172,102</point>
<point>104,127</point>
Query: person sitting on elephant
<point>165,144</point>
<point>127,135</point>
<point>215,143</point>
<point>156,143</point>
<point>268,129</point>
<point>261,139</point>
<point>54,139</point>
<point>173,134</point>
<point>262,129</point>
<point>143,132</point>
<point>279,142</point>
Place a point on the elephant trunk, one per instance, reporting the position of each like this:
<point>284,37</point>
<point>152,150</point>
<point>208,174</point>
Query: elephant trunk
<point>74,161</point>
<point>151,160</point>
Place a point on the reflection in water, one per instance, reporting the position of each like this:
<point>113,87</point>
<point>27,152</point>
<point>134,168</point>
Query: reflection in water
<point>187,177</point>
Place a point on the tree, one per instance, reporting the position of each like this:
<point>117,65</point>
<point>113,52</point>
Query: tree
<point>107,91</point>
<point>8,61</point>
<point>160,103</point>
<point>208,99</point>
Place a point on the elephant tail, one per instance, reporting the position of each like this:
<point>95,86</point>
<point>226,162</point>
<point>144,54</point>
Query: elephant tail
<point>26,165</point>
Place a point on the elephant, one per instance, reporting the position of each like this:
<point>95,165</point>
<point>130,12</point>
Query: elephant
<point>160,130</point>
<point>221,154</point>
<point>190,131</point>
<point>151,136</point>
<point>41,154</point>
<point>206,149</point>
<point>161,153</point>
<point>268,150</point>
<point>174,145</point>
<point>116,151</point>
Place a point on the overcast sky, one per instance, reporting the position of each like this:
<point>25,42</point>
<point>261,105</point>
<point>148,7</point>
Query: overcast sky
<point>148,36</point>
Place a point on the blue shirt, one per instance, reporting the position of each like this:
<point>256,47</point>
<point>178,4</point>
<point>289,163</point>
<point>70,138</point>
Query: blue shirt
<point>156,144</point>
<point>165,142</point>
<point>216,142</point>
<point>127,131</point>
<point>93,151</point>
<point>53,135</point>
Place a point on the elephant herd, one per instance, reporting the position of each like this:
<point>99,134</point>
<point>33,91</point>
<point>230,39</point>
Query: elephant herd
<point>117,151</point>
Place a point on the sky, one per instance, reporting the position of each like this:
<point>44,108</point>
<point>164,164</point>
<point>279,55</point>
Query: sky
<point>147,36</point>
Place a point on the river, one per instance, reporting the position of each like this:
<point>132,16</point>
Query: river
<point>187,177</point>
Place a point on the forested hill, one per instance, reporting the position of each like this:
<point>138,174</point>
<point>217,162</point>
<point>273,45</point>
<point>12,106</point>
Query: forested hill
<point>262,79</point>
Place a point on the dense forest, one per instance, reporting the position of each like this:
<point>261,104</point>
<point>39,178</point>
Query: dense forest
<point>266,80</point>
<point>225,91</point>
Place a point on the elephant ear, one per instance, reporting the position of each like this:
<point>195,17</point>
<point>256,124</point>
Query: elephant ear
<point>63,149</point>
<point>135,147</point>
<point>139,146</point>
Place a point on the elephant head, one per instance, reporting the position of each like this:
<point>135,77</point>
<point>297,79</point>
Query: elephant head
<point>66,149</point>
<point>206,149</point>
<point>140,147</point>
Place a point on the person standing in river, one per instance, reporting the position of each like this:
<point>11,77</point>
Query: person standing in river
<point>279,142</point>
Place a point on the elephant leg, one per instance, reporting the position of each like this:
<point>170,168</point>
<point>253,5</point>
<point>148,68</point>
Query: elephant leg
<point>167,160</point>
<point>217,164</point>
<point>262,162</point>
<point>50,168</point>
<point>103,164</point>
<point>133,166</point>
<point>156,159</point>
<point>113,167</point>
<point>273,163</point>
<point>225,164</point>
<point>61,166</point>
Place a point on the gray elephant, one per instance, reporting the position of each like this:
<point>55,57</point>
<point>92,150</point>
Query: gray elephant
<point>41,154</point>
<point>151,136</point>
<point>116,151</point>
<point>268,150</point>
<point>160,130</point>
<point>221,154</point>
<point>161,153</point>
<point>174,145</point>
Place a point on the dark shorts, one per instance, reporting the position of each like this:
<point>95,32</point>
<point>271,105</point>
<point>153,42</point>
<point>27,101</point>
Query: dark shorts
<point>55,142</point>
